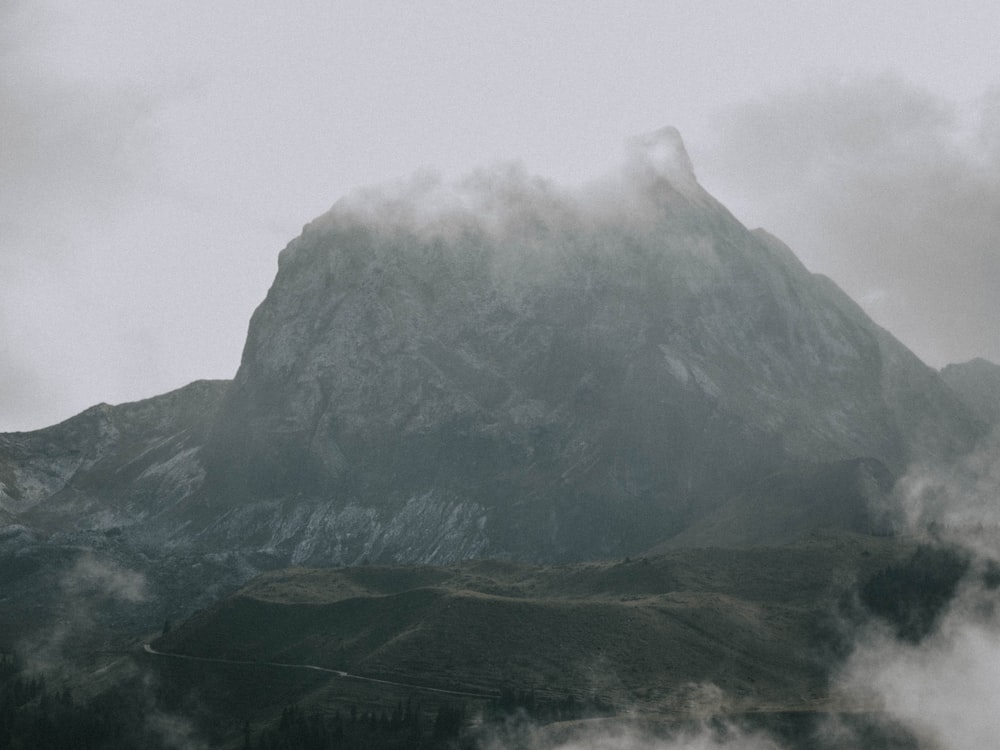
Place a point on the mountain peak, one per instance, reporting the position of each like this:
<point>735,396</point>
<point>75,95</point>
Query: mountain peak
<point>661,155</point>
<point>503,367</point>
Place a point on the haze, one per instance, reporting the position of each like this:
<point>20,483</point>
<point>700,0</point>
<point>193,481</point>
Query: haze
<point>155,159</point>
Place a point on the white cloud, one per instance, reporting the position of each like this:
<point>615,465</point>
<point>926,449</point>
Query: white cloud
<point>942,689</point>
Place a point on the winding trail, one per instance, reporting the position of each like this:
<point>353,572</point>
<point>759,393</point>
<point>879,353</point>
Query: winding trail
<point>337,672</point>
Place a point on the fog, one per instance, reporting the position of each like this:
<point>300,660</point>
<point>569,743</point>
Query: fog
<point>943,687</point>
<point>524,736</point>
<point>510,205</point>
<point>92,585</point>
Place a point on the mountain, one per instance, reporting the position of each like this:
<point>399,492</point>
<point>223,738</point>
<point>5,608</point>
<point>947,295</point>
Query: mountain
<point>650,455</point>
<point>502,367</point>
<point>506,368</point>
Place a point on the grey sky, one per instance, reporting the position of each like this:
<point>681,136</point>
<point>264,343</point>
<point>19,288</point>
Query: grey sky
<point>891,190</point>
<point>155,157</point>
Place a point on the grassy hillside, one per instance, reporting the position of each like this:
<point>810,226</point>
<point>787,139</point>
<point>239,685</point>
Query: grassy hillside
<point>675,634</point>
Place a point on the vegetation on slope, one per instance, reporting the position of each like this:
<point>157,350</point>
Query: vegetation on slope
<point>743,629</point>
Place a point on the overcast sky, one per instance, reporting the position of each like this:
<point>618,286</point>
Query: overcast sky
<point>156,156</point>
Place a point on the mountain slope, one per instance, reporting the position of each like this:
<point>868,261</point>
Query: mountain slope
<point>110,465</point>
<point>977,382</point>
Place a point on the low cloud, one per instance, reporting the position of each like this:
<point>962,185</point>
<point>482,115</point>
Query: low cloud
<point>624,736</point>
<point>93,577</point>
<point>942,688</point>
<point>92,589</point>
<point>519,226</point>
<point>889,189</point>
<point>955,502</point>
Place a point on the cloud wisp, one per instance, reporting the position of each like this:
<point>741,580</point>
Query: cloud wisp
<point>93,587</point>
<point>623,735</point>
<point>941,687</point>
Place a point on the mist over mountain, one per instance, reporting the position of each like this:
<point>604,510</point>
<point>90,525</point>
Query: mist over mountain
<point>505,367</point>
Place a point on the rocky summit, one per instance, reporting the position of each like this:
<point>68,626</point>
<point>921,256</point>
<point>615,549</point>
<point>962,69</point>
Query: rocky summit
<point>503,367</point>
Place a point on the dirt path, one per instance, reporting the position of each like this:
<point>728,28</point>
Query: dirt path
<point>337,672</point>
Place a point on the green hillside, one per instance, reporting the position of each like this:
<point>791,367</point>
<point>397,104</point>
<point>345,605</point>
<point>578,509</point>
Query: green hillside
<point>672,635</point>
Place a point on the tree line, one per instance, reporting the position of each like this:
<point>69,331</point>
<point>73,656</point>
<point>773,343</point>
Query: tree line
<point>35,716</point>
<point>402,729</point>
